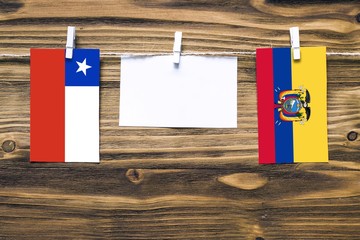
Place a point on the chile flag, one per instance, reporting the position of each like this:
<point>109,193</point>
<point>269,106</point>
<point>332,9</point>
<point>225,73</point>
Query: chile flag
<point>64,105</point>
<point>291,105</point>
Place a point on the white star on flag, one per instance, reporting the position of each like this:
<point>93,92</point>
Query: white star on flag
<point>82,66</point>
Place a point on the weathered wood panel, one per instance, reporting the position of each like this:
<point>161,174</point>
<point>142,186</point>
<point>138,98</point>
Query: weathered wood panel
<point>179,183</point>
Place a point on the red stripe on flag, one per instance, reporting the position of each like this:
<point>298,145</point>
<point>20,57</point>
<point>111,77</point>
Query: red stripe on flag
<point>47,105</point>
<point>265,98</point>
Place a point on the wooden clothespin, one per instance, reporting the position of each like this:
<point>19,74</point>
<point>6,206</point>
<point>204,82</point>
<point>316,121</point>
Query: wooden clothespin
<point>177,47</point>
<point>70,42</point>
<point>295,42</point>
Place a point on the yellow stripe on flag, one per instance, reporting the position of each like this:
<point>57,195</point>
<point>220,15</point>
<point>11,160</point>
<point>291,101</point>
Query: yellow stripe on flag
<point>310,139</point>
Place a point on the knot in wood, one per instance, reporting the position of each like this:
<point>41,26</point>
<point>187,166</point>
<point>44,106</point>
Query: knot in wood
<point>135,176</point>
<point>244,181</point>
<point>358,18</point>
<point>352,136</point>
<point>8,146</point>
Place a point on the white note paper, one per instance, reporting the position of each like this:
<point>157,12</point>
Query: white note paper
<point>200,92</point>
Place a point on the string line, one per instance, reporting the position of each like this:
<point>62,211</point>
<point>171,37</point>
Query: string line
<point>129,54</point>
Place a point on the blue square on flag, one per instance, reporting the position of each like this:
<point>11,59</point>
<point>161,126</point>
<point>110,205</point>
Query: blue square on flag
<point>83,68</point>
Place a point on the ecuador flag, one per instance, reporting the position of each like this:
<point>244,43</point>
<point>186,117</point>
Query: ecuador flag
<point>64,105</point>
<point>291,95</point>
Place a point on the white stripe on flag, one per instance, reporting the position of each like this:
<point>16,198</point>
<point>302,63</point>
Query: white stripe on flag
<point>82,124</point>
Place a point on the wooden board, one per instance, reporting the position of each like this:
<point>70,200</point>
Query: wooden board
<point>180,183</point>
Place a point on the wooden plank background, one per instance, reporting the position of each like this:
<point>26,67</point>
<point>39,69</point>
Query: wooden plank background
<point>180,183</point>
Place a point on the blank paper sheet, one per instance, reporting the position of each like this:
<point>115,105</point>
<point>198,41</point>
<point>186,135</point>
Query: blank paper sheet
<point>200,92</point>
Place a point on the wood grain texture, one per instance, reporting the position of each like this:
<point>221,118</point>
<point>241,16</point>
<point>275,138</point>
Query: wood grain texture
<point>168,183</point>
